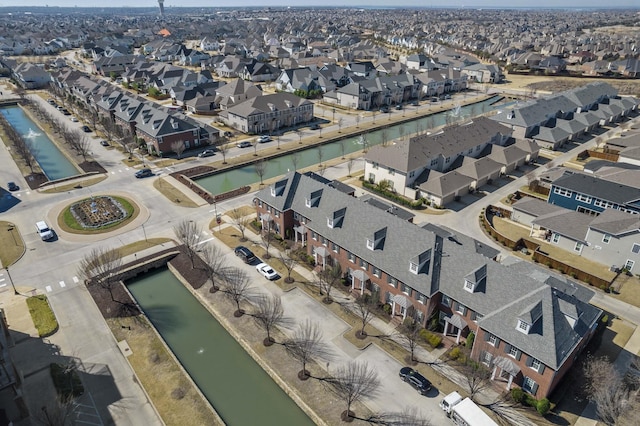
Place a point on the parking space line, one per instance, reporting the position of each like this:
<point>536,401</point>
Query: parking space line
<point>62,284</point>
<point>48,288</point>
<point>75,280</point>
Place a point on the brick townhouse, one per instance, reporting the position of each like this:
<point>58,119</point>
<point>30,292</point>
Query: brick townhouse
<point>529,327</point>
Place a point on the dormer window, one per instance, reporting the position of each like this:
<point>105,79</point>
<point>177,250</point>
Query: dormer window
<point>330,222</point>
<point>307,202</point>
<point>413,267</point>
<point>370,244</point>
<point>469,286</point>
<point>523,327</point>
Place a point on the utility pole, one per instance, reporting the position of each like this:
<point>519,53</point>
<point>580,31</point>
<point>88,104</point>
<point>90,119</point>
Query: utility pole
<point>15,291</point>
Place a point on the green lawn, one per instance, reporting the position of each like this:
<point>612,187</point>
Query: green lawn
<point>43,317</point>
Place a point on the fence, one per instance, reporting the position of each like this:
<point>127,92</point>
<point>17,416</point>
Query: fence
<point>609,156</point>
<point>538,255</point>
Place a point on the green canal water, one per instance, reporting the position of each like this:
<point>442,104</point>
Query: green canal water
<point>237,387</point>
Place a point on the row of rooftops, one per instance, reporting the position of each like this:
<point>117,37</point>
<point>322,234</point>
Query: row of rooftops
<point>443,262</point>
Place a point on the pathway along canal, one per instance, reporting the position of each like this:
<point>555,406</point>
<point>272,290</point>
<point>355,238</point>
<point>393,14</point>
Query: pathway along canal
<point>52,162</point>
<point>238,388</point>
<point>235,178</point>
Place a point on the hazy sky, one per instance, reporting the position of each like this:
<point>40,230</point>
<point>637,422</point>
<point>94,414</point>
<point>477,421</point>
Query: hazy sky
<point>352,3</point>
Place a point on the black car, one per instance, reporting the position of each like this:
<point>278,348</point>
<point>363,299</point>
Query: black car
<point>415,379</point>
<point>104,143</point>
<point>86,129</point>
<point>415,103</point>
<point>142,173</point>
<point>314,126</point>
<point>399,107</point>
<point>384,109</point>
<point>12,186</point>
<point>245,254</point>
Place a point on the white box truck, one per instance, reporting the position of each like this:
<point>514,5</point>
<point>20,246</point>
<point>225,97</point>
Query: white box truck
<point>449,401</point>
<point>467,413</point>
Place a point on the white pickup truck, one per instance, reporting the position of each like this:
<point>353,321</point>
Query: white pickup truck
<point>464,412</point>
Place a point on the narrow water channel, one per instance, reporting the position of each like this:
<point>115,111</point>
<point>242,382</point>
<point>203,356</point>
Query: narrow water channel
<point>232,179</point>
<point>52,162</point>
<point>237,387</point>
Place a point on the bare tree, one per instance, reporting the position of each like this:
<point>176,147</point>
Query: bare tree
<point>237,288</point>
<point>178,147</point>
<point>614,400</point>
<point>407,417</point>
<point>477,377</point>
<point>340,124</point>
<point>188,233</point>
<point>255,148</point>
<point>374,112</point>
<point>223,148</point>
<point>343,148</point>
<point>83,147</point>
<point>269,314</point>
<point>384,135</point>
<point>327,279</point>
<point>216,264</point>
<point>364,307</point>
<point>354,382</point>
<point>299,133</point>
<point>295,159</point>
<point>240,221</point>
<point>320,153</point>
<point>260,168</point>
<point>350,165</point>
<point>267,239</point>
<point>57,412</point>
<point>357,121</point>
<point>410,335</point>
<point>101,266</point>
<point>306,345</point>
<point>289,263</point>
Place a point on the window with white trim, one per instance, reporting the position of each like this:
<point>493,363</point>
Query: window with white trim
<point>635,249</point>
<point>485,358</point>
<point>603,204</point>
<point>421,298</point>
<point>513,351</point>
<point>529,385</point>
<point>583,198</point>
<point>376,272</point>
<point>578,246</point>
<point>370,244</point>
<point>374,165</point>
<point>563,192</point>
<point>364,265</point>
<point>392,171</point>
<point>392,281</point>
<point>413,267</point>
<point>629,264</point>
<point>606,238</point>
<point>352,257</point>
<point>460,308</point>
<point>555,238</point>
<point>523,327</point>
<point>493,339</point>
<point>405,289</point>
<point>535,364</point>
<point>330,222</point>
<point>314,235</point>
<point>335,247</point>
<point>446,300</point>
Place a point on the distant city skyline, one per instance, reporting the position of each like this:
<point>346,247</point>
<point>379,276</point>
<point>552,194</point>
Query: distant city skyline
<point>470,4</point>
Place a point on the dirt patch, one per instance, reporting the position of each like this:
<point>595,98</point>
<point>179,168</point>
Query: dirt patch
<point>92,166</point>
<point>172,193</point>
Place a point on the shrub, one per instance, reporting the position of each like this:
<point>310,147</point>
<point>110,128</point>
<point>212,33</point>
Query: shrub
<point>470,338</point>
<point>605,319</point>
<point>66,381</point>
<point>543,406</point>
<point>529,400</point>
<point>517,394</point>
<point>386,308</point>
<point>435,340</point>
<point>425,334</point>
<point>455,353</point>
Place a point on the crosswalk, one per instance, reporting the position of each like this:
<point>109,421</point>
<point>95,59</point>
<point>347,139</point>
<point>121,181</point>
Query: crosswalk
<point>61,285</point>
<point>4,281</point>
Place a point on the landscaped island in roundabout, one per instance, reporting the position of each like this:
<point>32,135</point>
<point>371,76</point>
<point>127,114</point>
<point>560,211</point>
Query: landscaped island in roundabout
<point>96,214</point>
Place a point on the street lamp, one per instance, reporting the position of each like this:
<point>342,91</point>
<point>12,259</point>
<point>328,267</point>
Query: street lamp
<point>15,291</point>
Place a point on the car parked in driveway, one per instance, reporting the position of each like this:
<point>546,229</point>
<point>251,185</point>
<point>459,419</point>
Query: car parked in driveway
<point>74,119</point>
<point>267,271</point>
<point>415,379</point>
<point>207,153</point>
<point>12,186</point>
<point>142,173</point>
<point>86,129</point>
<point>104,143</point>
<point>243,144</point>
<point>245,254</point>
<point>263,139</point>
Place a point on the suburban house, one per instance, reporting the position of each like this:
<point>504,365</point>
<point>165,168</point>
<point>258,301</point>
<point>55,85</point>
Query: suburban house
<point>31,76</point>
<point>449,163</point>
<point>528,326</point>
<point>268,113</point>
<point>235,92</point>
<point>566,116</point>
<point>612,238</point>
<point>592,195</point>
<point>376,92</point>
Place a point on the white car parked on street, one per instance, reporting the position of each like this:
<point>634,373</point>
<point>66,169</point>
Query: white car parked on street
<point>267,271</point>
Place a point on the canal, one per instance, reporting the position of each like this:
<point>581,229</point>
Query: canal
<point>237,387</point>
<point>52,162</point>
<point>232,179</point>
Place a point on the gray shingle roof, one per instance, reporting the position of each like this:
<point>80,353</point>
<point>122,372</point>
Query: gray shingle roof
<point>606,190</point>
<point>565,222</point>
<point>616,222</point>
